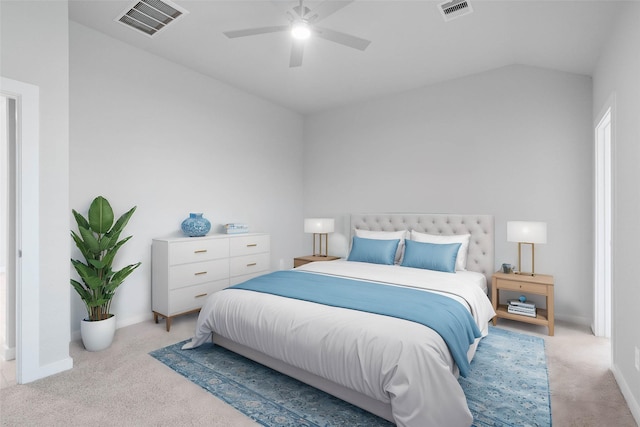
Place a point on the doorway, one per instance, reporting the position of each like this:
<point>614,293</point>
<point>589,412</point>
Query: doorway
<point>22,317</point>
<point>8,120</point>
<point>603,223</point>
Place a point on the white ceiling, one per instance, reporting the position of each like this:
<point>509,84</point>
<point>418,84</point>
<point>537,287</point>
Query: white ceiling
<point>411,44</point>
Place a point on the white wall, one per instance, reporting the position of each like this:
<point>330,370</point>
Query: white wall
<point>513,142</point>
<point>150,133</point>
<point>35,50</point>
<point>617,73</point>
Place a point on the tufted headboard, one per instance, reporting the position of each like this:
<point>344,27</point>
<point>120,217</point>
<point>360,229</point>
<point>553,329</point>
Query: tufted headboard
<point>481,243</point>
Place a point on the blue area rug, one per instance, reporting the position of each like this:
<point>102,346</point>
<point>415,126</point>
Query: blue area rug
<point>508,386</point>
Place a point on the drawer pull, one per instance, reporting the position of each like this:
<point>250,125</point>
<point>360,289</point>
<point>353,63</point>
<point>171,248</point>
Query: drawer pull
<point>199,273</point>
<point>252,245</point>
<point>201,295</point>
<point>200,251</point>
<point>252,264</point>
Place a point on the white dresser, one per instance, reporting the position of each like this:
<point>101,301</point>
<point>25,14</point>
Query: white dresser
<point>185,270</point>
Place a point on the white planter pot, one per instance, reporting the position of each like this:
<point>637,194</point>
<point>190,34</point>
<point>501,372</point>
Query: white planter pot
<point>98,335</point>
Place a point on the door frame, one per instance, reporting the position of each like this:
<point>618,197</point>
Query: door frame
<point>27,227</point>
<point>604,219</point>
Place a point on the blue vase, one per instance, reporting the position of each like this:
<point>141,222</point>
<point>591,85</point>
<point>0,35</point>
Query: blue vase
<point>195,225</point>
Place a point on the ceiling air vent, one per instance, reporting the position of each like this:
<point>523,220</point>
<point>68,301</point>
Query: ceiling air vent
<point>454,9</point>
<point>150,16</point>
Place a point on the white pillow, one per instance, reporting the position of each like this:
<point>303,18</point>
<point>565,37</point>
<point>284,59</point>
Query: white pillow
<point>461,260</point>
<point>386,235</point>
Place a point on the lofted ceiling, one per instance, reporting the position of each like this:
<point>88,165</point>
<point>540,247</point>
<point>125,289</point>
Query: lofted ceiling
<point>411,44</point>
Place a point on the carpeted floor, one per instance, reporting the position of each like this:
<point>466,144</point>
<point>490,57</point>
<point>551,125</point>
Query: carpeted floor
<point>507,386</point>
<point>124,386</point>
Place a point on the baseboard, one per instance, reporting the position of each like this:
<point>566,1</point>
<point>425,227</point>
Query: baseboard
<point>8,353</point>
<point>120,323</point>
<point>634,405</point>
<point>576,320</point>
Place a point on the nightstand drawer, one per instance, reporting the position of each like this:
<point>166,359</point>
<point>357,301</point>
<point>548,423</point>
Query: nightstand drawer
<point>247,245</point>
<point>523,287</point>
<point>184,275</point>
<point>193,297</point>
<point>198,250</point>
<point>249,264</point>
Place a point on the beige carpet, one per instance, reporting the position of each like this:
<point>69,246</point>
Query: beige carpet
<point>133,389</point>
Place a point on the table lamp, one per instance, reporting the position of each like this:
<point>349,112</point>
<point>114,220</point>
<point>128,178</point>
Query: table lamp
<point>320,227</point>
<point>526,233</point>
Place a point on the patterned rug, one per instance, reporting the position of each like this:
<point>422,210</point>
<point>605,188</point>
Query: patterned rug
<point>508,386</point>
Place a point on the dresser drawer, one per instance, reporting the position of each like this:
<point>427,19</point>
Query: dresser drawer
<point>193,297</point>
<point>246,245</point>
<point>198,250</point>
<point>249,264</point>
<point>184,275</point>
<point>522,287</point>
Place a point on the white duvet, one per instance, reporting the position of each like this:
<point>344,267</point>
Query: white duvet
<point>391,360</point>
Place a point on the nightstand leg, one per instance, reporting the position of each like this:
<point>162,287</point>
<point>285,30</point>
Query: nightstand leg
<point>168,323</point>
<point>550,311</point>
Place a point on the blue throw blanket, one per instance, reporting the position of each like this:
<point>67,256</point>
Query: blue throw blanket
<point>447,317</point>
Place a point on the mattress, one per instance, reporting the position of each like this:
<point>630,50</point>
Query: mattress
<point>391,360</point>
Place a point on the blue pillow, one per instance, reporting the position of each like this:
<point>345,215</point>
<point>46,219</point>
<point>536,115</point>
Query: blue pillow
<point>373,250</point>
<point>431,256</point>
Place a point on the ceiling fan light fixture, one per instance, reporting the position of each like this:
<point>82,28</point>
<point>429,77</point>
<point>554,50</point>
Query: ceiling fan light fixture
<point>300,30</point>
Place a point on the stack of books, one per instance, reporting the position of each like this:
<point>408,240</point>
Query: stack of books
<point>523,308</point>
<point>236,228</point>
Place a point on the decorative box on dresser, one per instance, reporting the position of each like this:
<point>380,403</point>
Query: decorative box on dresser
<point>185,270</point>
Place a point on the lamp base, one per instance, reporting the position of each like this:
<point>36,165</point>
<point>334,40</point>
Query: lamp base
<point>321,237</point>
<point>524,273</point>
<point>533,260</point>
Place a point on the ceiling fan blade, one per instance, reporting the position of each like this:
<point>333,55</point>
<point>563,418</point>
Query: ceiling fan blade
<point>255,31</point>
<point>341,38</point>
<point>326,8</point>
<point>297,48</point>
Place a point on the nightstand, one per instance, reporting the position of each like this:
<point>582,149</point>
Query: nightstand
<point>302,260</point>
<point>540,284</point>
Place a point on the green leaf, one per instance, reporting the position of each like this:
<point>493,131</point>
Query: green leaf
<point>104,243</point>
<point>114,233</point>
<point>88,275</point>
<point>100,215</point>
<point>90,241</point>
<point>111,253</point>
<point>84,294</point>
<point>80,220</point>
<point>81,245</point>
<point>96,263</point>
<point>119,276</point>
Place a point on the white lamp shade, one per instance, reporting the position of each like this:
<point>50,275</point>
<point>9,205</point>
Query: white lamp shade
<point>319,225</point>
<point>527,232</point>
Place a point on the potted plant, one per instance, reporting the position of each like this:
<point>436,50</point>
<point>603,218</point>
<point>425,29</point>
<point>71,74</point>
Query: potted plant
<point>98,241</point>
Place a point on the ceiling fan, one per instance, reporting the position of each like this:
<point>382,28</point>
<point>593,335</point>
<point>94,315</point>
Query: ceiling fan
<point>303,24</point>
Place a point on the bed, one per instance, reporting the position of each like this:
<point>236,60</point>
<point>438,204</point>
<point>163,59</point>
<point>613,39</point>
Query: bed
<point>386,363</point>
